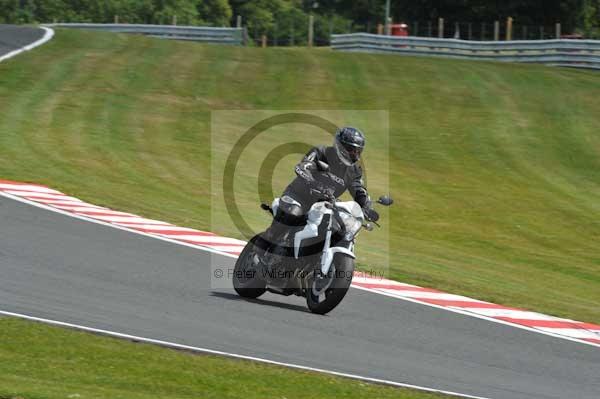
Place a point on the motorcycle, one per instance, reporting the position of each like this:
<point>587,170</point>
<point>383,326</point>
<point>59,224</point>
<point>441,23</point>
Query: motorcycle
<point>319,266</point>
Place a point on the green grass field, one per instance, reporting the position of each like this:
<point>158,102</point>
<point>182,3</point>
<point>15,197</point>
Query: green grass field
<point>495,167</point>
<point>62,363</point>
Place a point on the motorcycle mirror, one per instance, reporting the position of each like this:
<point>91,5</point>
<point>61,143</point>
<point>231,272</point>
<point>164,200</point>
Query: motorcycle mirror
<point>385,200</point>
<point>323,167</point>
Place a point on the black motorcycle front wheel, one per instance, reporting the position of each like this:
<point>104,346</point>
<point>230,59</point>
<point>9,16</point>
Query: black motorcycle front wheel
<point>247,276</point>
<point>323,294</point>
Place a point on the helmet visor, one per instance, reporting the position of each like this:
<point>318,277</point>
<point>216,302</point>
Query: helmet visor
<point>348,152</point>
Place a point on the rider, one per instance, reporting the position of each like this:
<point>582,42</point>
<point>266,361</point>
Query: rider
<point>312,185</point>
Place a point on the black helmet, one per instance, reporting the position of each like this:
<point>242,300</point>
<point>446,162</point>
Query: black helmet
<point>349,144</point>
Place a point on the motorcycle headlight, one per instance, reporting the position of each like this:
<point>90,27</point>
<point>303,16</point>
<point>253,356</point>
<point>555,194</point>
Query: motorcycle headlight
<point>351,224</point>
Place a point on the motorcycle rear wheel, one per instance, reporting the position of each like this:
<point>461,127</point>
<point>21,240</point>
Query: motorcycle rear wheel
<point>332,295</point>
<point>247,276</point>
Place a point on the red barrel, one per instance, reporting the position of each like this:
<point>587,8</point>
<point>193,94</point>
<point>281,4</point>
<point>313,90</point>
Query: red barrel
<point>399,29</point>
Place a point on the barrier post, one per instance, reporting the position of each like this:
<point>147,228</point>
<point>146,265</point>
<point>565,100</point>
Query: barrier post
<point>509,27</point>
<point>311,32</point>
<point>245,36</point>
<point>330,29</point>
<point>441,28</point>
<point>496,31</point>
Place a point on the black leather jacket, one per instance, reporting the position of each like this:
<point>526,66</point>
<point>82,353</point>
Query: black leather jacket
<point>339,178</point>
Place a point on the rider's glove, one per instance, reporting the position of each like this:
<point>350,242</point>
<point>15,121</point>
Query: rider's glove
<point>371,214</point>
<point>323,191</point>
<point>304,170</point>
<point>329,193</point>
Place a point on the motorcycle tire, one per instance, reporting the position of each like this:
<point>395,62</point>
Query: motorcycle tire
<point>343,267</point>
<point>247,277</point>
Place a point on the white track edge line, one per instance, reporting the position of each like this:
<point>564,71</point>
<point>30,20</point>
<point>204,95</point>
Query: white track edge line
<point>89,219</point>
<point>47,36</point>
<point>480,316</point>
<point>207,249</point>
<point>174,345</point>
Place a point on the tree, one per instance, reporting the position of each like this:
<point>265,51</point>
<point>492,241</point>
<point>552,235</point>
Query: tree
<point>589,18</point>
<point>185,10</point>
<point>215,12</point>
<point>277,17</point>
<point>8,10</point>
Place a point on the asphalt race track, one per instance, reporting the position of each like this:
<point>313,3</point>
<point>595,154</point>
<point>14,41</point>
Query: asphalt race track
<point>60,268</point>
<point>56,267</point>
<point>13,37</point>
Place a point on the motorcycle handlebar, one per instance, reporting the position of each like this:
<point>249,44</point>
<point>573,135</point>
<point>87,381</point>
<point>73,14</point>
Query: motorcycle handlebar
<point>330,200</point>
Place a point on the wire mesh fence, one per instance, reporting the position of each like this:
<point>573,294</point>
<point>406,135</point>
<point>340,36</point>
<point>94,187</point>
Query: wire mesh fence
<point>294,30</point>
<point>296,33</point>
<point>482,31</point>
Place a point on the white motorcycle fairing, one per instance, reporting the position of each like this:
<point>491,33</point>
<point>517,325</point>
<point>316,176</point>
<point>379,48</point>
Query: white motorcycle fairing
<point>327,258</point>
<point>311,230</point>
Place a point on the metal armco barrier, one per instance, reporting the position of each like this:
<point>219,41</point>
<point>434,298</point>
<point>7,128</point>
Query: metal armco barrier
<point>195,33</point>
<point>572,53</point>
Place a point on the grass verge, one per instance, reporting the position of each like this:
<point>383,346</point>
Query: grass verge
<point>62,363</point>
